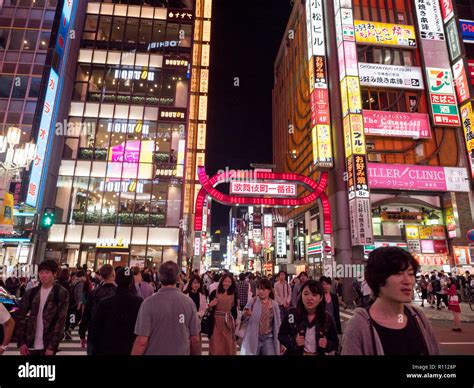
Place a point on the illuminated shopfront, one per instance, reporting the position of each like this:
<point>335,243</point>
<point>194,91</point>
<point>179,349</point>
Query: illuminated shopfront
<point>119,189</point>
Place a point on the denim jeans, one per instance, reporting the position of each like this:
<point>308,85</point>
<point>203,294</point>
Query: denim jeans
<point>265,345</point>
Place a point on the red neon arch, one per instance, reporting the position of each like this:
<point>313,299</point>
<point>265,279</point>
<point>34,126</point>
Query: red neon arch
<point>209,184</point>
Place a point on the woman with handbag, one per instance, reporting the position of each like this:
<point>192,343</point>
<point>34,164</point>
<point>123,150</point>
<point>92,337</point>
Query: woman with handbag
<point>453,304</point>
<point>260,335</point>
<point>224,302</point>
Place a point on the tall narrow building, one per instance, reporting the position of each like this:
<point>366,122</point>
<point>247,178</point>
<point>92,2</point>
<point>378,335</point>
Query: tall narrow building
<point>131,121</point>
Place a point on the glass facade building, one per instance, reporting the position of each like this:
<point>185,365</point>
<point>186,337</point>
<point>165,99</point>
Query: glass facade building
<point>25,34</point>
<point>120,184</point>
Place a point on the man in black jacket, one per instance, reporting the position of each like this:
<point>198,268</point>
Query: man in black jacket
<point>104,290</point>
<point>112,326</point>
<point>332,302</point>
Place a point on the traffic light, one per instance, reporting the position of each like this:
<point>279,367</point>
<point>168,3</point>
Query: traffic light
<point>47,220</point>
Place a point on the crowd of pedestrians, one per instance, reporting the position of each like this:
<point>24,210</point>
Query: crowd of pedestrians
<point>123,311</point>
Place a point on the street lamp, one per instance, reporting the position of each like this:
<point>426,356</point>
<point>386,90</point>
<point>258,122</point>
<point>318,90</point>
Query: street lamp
<point>16,159</point>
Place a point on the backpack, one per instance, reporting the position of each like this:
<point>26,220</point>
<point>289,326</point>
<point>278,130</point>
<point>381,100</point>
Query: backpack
<point>436,285</point>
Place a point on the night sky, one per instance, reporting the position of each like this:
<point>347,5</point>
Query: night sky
<point>245,38</point>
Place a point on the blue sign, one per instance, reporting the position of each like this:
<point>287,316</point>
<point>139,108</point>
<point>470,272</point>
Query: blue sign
<point>43,136</point>
<point>467,30</point>
<point>48,116</point>
<point>63,31</point>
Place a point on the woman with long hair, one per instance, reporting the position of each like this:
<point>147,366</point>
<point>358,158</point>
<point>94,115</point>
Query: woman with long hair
<point>309,329</point>
<point>223,303</point>
<point>196,293</point>
<point>263,314</point>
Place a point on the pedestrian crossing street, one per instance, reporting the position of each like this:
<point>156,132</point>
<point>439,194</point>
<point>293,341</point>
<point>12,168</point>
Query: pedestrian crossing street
<point>73,347</point>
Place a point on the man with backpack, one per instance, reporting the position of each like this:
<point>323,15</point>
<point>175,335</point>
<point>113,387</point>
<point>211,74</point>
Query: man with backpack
<point>42,314</point>
<point>76,295</point>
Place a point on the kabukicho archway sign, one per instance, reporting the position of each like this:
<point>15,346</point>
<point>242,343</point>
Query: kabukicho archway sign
<point>262,188</point>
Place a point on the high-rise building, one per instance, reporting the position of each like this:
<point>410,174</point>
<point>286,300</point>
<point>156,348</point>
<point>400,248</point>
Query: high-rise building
<point>366,91</point>
<point>120,183</point>
<point>25,33</point>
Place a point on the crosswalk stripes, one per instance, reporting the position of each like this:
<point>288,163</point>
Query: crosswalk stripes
<point>66,348</point>
<point>73,347</point>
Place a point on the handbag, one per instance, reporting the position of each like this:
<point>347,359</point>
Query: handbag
<point>240,334</point>
<point>453,300</point>
<point>207,323</point>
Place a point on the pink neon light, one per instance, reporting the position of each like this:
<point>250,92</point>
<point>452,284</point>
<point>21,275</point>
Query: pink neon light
<point>318,191</point>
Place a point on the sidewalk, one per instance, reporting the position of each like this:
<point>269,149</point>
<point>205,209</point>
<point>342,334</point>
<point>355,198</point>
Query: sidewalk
<point>467,315</point>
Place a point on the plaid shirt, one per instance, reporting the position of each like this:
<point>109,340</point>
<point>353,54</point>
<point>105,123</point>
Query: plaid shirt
<point>243,292</point>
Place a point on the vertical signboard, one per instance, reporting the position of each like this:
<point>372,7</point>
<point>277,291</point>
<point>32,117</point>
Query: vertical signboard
<point>442,97</point>
<point>50,109</point>
<point>467,117</point>
<point>318,85</point>
<point>351,103</point>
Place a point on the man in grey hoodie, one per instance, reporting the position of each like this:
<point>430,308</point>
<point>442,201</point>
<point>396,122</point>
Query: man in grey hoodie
<point>390,325</point>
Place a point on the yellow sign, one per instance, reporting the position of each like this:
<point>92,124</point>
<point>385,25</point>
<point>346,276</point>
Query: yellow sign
<point>412,232</point>
<point>324,146</point>
<point>347,136</point>
<point>384,33</point>
<point>344,98</point>
<point>425,232</point>
<point>353,91</point>
<point>311,74</point>
<point>315,144</point>
<point>6,213</point>
<point>467,117</point>
<point>358,137</point>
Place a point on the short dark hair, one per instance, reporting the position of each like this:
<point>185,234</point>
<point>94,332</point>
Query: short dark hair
<point>48,265</point>
<point>168,273</point>
<point>385,262</point>
<point>135,270</point>
<point>220,288</point>
<point>266,284</point>
<point>123,277</point>
<point>80,273</point>
<point>325,279</point>
<point>106,271</point>
<point>242,277</point>
<point>146,277</point>
<point>63,275</point>
<point>302,273</point>
<point>281,271</point>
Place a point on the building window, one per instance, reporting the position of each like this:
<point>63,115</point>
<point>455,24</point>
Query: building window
<point>5,85</point>
<point>34,87</point>
<point>16,40</point>
<point>19,87</point>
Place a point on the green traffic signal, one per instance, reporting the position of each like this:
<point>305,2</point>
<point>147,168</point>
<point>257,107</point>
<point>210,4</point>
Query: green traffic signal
<point>47,220</point>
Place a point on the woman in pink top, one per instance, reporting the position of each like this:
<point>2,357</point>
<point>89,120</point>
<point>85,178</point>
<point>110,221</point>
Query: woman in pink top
<point>453,304</point>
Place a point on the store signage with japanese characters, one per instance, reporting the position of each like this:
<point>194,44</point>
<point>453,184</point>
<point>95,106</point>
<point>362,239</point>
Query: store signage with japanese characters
<point>361,221</point>
<point>461,81</point>
<point>388,76</point>
<point>443,99</point>
<point>397,124</point>
<point>264,188</point>
<point>453,40</point>
<point>180,15</point>
<point>118,243</point>
<point>417,177</point>
<point>384,34</point>
<point>467,117</point>
<point>281,241</point>
<point>430,22</point>
<point>412,232</point>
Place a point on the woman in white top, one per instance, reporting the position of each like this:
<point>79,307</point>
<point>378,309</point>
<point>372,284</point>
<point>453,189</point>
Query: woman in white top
<point>196,293</point>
